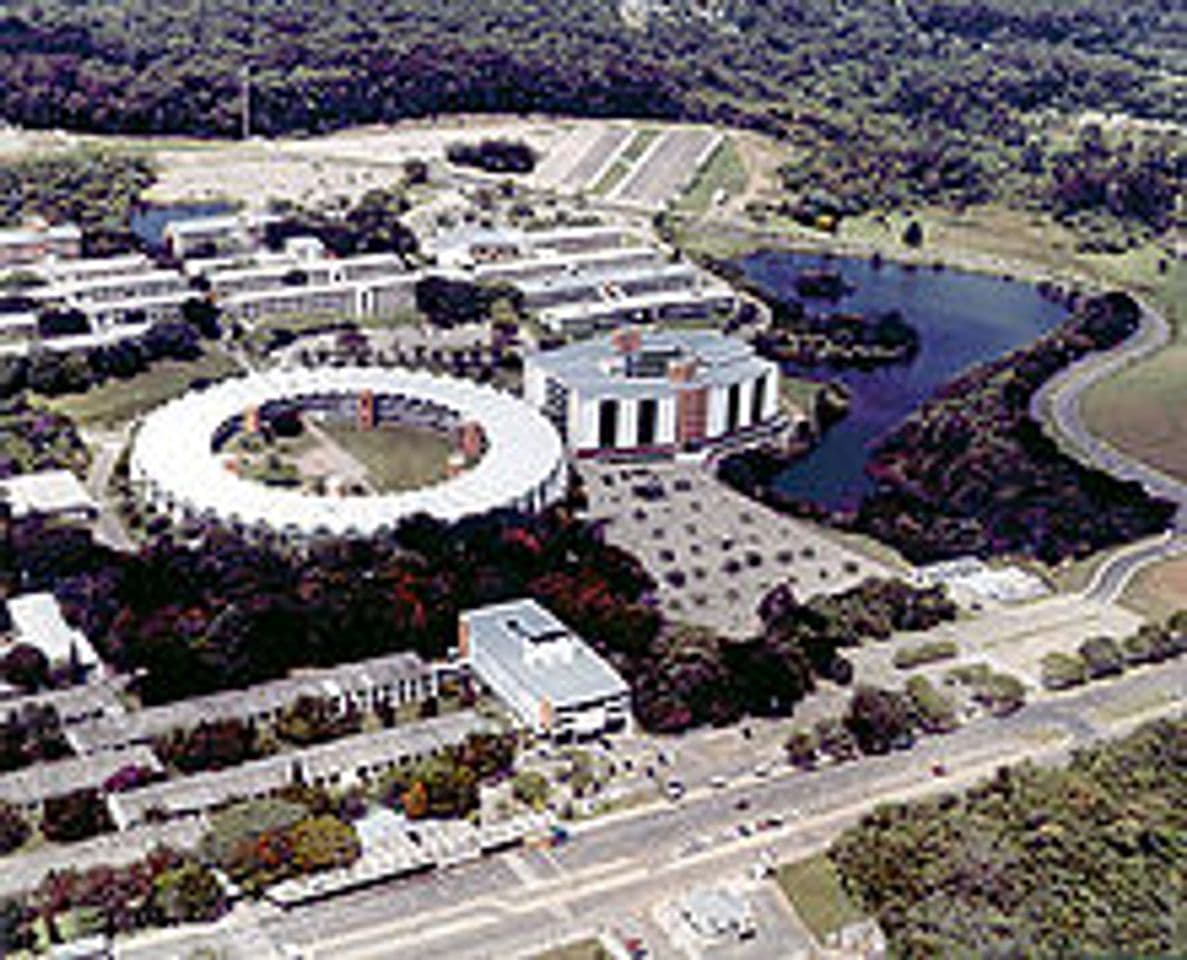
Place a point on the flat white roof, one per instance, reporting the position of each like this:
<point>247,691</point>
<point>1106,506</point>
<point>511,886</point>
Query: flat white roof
<point>37,620</point>
<point>49,491</point>
<point>173,452</point>
<point>534,652</point>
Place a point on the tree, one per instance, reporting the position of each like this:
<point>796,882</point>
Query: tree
<point>913,234</point>
<point>189,893</point>
<point>800,748</point>
<point>530,787</point>
<point>26,667</point>
<point>1102,657</point>
<point>14,829</point>
<point>73,816</point>
<point>880,720</point>
<point>1061,671</point>
<point>323,843</point>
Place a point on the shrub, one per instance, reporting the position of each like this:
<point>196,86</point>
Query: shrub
<point>906,658</point>
<point>1062,671</point>
<point>1102,657</point>
<point>800,748</point>
<point>933,712</point>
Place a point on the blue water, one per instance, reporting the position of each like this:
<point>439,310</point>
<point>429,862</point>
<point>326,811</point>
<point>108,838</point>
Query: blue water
<point>962,318</point>
<point>148,222</point>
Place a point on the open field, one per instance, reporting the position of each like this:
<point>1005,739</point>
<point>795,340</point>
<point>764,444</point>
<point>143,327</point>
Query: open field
<point>118,401</point>
<point>1160,590</point>
<point>722,177</point>
<point>814,890</point>
<point>395,457</point>
<point>666,168</point>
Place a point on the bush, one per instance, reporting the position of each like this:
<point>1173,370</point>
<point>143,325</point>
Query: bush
<point>932,711</point>
<point>906,658</point>
<point>1062,671</point>
<point>800,748</point>
<point>1102,657</point>
<point>531,788</point>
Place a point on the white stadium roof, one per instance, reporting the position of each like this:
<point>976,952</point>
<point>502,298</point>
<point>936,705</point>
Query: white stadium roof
<point>523,464</point>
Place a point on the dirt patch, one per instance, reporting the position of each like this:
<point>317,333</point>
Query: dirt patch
<point>1160,590</point>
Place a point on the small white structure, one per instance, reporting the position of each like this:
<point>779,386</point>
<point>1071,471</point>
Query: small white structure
<point>54,493</point>
<point>716,914</point>
<point>37,621</point>
<point>972,580</point>
<point>551,679</point>
<point>645,393</point>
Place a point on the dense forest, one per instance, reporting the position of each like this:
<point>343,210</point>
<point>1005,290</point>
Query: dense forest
<point>972,472</point>
<point>890,102</point>
<point>1036,862</point>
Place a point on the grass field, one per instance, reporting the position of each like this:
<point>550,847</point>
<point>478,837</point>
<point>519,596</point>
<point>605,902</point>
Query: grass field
<point>396,457</point>
<point>724,172</point>
<point>579,950</point>
<point>118,401</point>
<point>814,889</point>
<point>1158,591</point>
<point>639,143</point>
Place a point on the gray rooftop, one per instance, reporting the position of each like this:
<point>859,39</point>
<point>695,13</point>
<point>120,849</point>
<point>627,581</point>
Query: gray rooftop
<point>41,780</point>
<point>596,367</point>
<point>144,725</point>
<point>201,792</point>
<point>23,872</point>
<point>533,651</point>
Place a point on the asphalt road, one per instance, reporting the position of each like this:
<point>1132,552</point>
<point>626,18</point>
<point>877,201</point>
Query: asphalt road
<point>616,869</point>
<point>1057,404</point>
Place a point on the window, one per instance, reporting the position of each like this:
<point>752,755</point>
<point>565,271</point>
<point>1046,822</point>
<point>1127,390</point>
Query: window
<point>732,409</point>
<point>648,415</point>
<point>758,399</point>
<point>608,423</point>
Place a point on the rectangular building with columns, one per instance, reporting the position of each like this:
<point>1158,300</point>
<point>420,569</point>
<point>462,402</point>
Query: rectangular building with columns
<point>653,393</point>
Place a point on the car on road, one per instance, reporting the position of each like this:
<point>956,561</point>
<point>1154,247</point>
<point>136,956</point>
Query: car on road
<point>939,770</point>
<point>762,770</point>
<point>674,789</point>
<point>718,782</point>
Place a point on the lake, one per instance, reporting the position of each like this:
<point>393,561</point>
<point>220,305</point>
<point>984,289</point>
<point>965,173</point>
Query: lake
<point>962,319</point>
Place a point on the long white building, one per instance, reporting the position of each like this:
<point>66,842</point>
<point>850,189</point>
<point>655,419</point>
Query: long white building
<point>660,392</point>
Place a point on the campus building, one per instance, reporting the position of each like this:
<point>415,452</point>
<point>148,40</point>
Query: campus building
<point>553,681</point>
<point>28,245</point>
<point>178,465</point>
<point>653,393</point>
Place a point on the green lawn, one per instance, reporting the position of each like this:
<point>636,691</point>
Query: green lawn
<point>639,143</point>
<point>611,178</point>
<point>117,401</point>
<point>813,887</point>
<point>796,394</point>
<point>723,172</point>
<point>579,950</point>
<point>396,457</point>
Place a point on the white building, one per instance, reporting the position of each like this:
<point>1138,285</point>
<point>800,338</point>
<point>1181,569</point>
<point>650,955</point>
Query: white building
<point>551,679</point>
<point>177,463</point>
<point>645,393</point>
<point>52,493</point>
<point>37,621</point>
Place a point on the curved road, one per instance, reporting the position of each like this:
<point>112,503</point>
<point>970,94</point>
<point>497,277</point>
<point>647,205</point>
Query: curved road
<point>1057,403</point>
